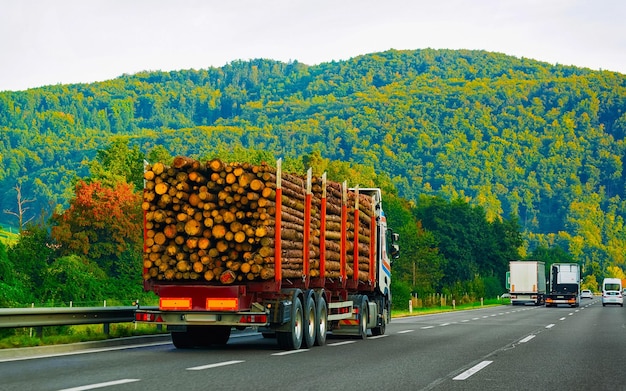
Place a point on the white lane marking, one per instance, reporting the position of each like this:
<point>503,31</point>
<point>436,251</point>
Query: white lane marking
<point>570,314</point>
<point>527,339</point>
<point>551,325</point>
<point>219,364</point>
<point>475,318</point>
<point>405,331</point>
<point>290,352</point>
<point>563,318</point>
<point>444,324</point>
<point>427,327</point>
<point>472,370</point>
<point>101,385</point>
<point>465,320</point>
<point>340,343</point>
<point>378,336</point>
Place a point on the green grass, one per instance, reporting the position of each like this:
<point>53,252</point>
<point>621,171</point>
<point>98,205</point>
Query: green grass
<point>26,337</point>
<point>8,238</point>
<point>449,308</point>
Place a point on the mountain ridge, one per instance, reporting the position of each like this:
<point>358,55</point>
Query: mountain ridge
<point>516,136</point>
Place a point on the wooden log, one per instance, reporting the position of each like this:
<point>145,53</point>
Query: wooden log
<point>181,162</point>
<point>192,227</point>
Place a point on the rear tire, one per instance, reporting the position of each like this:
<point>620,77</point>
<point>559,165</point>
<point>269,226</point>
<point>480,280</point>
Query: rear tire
<point>363,309</point>
<point>321,321</point>
<point>292,339</point>
<point>310,325</point>
<point>217,335</point>
<point>182,340</point>
<point>380,329</point>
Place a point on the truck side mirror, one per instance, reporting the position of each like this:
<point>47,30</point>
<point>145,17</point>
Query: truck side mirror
<point>395,251</point>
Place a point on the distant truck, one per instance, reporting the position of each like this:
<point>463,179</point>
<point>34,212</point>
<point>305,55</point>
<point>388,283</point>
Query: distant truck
<point>527,281</point>
<point>238,245</point>
<point>564,285</point>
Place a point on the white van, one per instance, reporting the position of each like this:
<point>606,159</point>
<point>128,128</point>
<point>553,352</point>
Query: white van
<point>612,291</point>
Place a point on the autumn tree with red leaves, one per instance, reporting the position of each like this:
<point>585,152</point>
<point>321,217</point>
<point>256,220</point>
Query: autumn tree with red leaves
<point>101,223</point>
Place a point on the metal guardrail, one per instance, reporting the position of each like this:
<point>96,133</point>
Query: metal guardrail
<point>65,316</point>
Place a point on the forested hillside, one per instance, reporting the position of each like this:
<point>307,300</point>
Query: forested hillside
<point>515,136</point>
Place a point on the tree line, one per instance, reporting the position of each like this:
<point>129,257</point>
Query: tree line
<point>91,250</point>
<point>516,137</point>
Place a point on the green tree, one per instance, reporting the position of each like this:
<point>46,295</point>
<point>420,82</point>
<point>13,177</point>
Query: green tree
<point>30,257</point>
<point>159,154</point>
<point>420,265</point>
<point>118,163</point>
<point>73,278</point>
<point>12,290</point>
<point>470,244</point>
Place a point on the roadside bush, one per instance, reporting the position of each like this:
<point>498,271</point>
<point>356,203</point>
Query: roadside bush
<point>401,294</point>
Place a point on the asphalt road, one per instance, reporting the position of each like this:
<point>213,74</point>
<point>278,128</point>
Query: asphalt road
<point>497,348</point>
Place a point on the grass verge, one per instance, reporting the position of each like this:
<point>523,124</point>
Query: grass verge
<point>57,335</point>
<point>449,308</point>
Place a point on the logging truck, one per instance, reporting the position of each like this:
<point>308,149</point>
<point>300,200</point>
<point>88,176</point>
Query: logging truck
<point>236,245</point>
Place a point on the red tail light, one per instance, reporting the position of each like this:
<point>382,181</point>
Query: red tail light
<point>147,317</point>
<point>253,319</point>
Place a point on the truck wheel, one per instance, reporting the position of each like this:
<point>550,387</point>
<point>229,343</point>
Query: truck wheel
<point>380,329</point>
<point>309,322</point>
<point>217,335</point>
<point>363,318</point>
<point>182,340</point>
<point>292,339</point>
<point>321,322</point>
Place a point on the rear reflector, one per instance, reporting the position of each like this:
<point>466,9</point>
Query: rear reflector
<point>175,303</point>
<point>222,304</point>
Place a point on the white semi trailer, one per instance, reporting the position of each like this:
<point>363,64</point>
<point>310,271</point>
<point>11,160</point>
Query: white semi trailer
<point>527,281</point>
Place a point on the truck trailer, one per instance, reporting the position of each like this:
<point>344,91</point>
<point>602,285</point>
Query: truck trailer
<point>564,285</point>
<point>527,281</point>
<point>236,245</point>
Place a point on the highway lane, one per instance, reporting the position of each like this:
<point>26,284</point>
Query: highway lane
<point>496,348</point>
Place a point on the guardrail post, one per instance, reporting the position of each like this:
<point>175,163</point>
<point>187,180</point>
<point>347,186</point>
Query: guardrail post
<point>107,328</point>
<point>30,333</point>
<point>39,332</point>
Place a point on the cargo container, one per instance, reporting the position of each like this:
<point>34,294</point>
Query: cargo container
<point>527,281</point>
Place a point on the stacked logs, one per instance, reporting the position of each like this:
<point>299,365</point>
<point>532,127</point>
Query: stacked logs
<point>216,222</point>
<point>333,231</point>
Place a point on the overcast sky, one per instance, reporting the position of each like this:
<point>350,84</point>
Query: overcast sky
<point>45,42</point>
